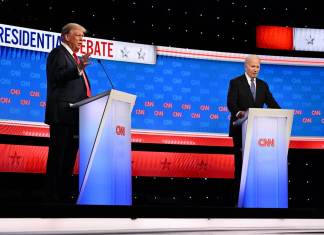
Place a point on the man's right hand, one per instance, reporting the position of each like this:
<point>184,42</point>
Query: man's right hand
<point>240,114</point>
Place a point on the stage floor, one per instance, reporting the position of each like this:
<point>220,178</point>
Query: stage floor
<point>159,226</point>
<point>76,219</point>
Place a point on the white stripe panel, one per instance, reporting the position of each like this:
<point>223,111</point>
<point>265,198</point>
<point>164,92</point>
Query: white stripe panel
<point>306,39</point>
<point>237,57</point>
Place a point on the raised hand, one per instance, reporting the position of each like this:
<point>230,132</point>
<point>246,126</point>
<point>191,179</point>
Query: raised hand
<point>84,61</point>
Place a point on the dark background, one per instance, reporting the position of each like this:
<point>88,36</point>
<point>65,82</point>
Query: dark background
<point>215,25</point>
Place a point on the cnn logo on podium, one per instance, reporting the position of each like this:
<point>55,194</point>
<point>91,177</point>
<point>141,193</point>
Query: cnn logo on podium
<point>120,130</point>
<point>266,142</point>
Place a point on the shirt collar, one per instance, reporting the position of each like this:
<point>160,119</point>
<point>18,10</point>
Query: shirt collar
<point>67,48</point>
<point>249,78</point>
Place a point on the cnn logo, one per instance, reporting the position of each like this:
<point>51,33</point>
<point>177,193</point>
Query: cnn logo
<point>120,130</point>
<point>266,142</point>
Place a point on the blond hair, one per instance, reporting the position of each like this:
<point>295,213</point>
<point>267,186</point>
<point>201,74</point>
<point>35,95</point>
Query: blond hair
<point>68,27</point>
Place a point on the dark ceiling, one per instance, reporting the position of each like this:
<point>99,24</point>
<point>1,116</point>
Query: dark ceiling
<point>216,25</point>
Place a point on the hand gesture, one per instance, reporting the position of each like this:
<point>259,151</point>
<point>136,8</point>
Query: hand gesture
<point>84,61</point>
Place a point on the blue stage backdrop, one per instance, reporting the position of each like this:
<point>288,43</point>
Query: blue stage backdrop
<point>175,94</point>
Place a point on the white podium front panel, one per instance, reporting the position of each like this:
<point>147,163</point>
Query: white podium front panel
<point>88,132</point>
<point>264,180</point>
<point>105,176</point>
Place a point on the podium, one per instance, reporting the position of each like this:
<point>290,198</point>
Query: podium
<point>105,176</point>
<point>265,142</point>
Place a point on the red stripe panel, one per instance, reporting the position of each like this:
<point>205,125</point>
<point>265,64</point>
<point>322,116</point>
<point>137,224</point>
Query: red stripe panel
<point>274,37</point>
<point>32,159</point>
<point>306,143</point>
<point>24,129</point>
<point>24,159</point>
<point>193,165</point>
<point>160,137</point>
<point>181,139</point>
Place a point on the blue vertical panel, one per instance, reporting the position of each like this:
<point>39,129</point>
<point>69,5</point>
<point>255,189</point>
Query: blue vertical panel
<point>267,175</point>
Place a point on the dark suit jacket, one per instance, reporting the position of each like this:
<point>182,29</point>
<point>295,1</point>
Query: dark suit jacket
<point>239,98</point>
<point>64,86</point>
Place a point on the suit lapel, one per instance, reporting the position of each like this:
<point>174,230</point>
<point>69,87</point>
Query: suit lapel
<point>69,55</point>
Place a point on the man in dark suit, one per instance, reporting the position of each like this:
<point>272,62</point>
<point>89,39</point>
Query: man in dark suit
<point>246,91</point>
<point>66,83</point>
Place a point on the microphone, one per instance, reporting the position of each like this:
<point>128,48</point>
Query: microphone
<point>103,67</point>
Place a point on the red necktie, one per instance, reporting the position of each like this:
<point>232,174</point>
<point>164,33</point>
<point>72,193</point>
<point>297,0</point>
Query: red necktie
<point>83,75</point>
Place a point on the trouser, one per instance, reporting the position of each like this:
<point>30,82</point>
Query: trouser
<point>63,148</point>
<point>238,160</point>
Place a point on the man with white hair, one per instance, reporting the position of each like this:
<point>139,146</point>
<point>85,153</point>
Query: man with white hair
<point>244,92</point>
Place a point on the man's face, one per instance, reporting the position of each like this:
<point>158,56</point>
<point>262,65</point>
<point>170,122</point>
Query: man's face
<point>74,39</point>
<point>252,67</point>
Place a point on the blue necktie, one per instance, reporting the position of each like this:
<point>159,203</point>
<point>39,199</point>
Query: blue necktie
<point>252,87</point>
